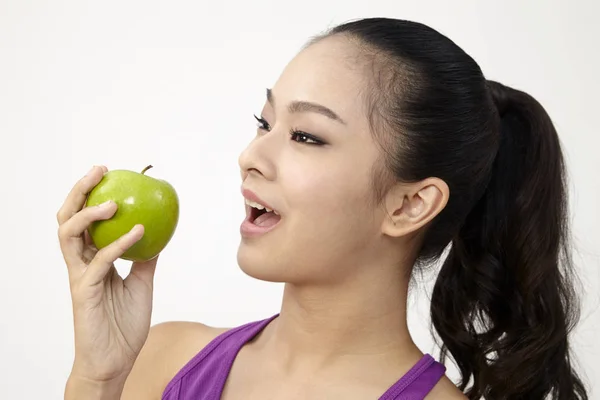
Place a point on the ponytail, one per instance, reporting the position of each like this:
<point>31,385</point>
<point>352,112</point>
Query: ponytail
<point>503,303</point>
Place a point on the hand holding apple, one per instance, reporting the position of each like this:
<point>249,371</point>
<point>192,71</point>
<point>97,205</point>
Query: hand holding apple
<point>111,315</point>
<point>140,199</point>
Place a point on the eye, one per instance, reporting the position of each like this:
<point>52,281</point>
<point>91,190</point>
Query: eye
<point>262,123</point>
<point>296,135</point>
<point>303,137</point>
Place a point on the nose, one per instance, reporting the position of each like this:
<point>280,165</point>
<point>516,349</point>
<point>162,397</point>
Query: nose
<point>259,156</point>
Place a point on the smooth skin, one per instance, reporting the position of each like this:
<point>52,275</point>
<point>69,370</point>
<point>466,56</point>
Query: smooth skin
<point>342,332</point>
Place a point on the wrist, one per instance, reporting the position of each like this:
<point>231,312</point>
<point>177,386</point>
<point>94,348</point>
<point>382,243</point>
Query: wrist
<point>79,387</point>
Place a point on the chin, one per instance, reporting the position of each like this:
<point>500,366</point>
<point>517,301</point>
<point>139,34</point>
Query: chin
<point>256,264</point>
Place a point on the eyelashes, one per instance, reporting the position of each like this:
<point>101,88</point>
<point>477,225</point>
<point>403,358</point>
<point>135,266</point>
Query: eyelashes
<point>296,134</point>
<point>262,123</point>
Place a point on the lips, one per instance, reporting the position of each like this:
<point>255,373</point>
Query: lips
<point>250,195</point>
<point>258,222</point>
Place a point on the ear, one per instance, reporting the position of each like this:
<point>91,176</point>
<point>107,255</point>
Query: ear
<point>411,206</point>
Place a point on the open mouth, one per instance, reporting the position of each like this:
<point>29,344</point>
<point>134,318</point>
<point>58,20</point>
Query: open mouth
<point>255,213</point>
<point>262,217</point>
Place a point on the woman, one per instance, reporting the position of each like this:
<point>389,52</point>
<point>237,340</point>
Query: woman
<point>380,144</point>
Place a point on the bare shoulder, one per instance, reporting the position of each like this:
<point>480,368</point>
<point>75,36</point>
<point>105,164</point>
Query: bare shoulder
<point>170,345</point>
<point>445,390</point>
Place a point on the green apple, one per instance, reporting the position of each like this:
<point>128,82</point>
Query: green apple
<point>141,199</point>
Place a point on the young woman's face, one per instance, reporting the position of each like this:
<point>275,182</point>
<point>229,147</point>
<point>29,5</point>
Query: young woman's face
<point>315,170</point>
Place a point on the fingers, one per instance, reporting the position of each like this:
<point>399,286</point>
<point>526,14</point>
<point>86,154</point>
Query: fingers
<point>78,194</point>
<point>76,226</point>
<point>105,258</point>
<point>87,239</point>
<point>71,232</point>
<point>143,272</point>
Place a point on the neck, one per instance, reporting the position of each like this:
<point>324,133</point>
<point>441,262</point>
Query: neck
<point>362,319</point>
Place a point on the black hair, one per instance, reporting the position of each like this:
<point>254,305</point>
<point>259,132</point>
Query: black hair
<point>503,303</point>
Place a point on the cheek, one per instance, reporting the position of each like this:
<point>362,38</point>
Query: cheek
<point>329,207</point>
<point>331,189</point>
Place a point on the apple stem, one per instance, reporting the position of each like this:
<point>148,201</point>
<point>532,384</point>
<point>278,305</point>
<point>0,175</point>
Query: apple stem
<point>146,169</point>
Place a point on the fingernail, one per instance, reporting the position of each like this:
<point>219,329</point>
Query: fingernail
<point>106,204</point>
<point>135,228</point>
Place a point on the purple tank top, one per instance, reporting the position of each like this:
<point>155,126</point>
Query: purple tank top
<point>204,376</point>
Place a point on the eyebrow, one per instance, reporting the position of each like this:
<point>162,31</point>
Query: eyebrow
<point>305,106</point>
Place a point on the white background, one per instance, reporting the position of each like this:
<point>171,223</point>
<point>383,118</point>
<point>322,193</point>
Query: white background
<point>175,84</point>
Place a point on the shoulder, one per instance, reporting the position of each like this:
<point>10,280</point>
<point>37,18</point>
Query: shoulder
<point>169,346</point>
<point>445,390</point>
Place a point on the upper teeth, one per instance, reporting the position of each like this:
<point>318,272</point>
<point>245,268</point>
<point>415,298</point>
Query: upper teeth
<point>259,206</point>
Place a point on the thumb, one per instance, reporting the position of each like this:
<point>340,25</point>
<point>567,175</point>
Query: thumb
<point>143,271</point>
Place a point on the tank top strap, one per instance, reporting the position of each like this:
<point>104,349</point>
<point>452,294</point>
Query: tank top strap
<point>418,381</point>
<point>229,348</point>
<point>214,361</point>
